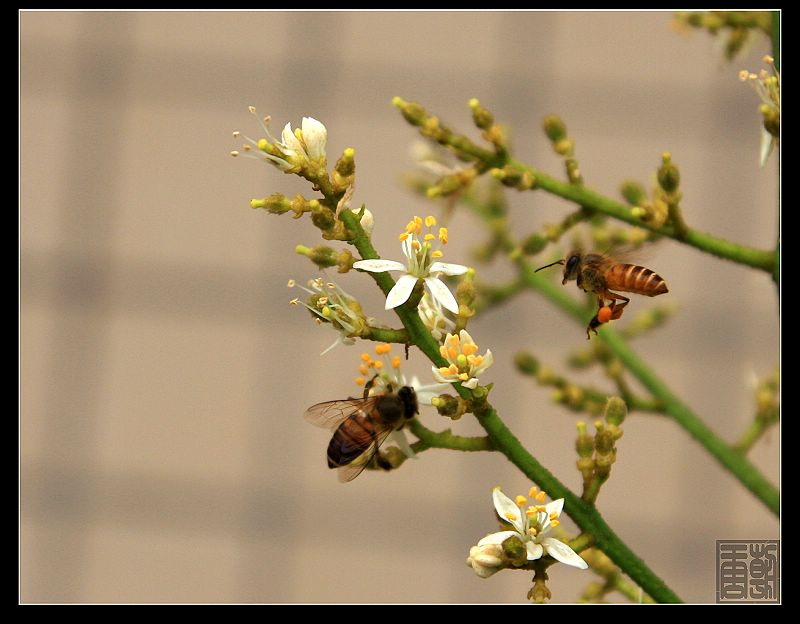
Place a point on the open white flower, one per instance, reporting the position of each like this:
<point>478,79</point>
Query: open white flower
<point>422,264</point>
<point>465,364</point>
<point>531,525</point>
<point>296,149</point>
<point>434,318</point>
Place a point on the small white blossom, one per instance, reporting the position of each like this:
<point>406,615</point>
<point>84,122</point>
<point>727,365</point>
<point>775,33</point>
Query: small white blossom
<point>486,559</point>
<point>295,151</point>
<point>421,263</point>
<point>434,318</point>
<point>465,364</point>
<point>531,525</point>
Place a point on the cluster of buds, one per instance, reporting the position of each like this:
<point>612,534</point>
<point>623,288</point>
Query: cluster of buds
<point>597,453</point>
<point>563,145</point>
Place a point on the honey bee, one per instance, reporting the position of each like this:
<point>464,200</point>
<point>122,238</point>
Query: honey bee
<point>360,426</point>
<point>599,274</point>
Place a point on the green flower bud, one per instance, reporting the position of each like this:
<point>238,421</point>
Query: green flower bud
<point>526,363</point>
<point>633,192</point>
<point>616,411</point>
<point>668,175</point>
<point>554,128</point>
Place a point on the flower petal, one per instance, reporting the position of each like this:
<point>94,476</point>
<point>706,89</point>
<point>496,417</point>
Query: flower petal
<point>508,510</point>
<point>448,269</point>
<point>315,136</point>
<point>426,393</point>
<point>442,293</point>
<point>291,144</point>
<point>398,437</point>
<point>534,551</point>
<point>497,538</point>
<point>555,506</point>
<point>560,551</point>
<point>379,265</point>
<point>401,291</point>
<point>471,383</point>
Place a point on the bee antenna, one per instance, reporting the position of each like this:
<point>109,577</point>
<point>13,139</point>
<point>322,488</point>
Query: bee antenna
<point>549,265</point>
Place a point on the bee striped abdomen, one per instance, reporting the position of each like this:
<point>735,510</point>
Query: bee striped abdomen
<point>350,440</point>
<point>636,279</point>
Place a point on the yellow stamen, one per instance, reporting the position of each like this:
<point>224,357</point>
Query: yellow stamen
<point>360,381</point>
<point>291,283</point>
<point>520,500</point>
<point>452,354</point>
<point>443,235</point>
<point>365,357</point>
<point>530,512</point>
<point>437,254</point>
<point>541,496</point>
<point>262,145</point>
<point>396,361</point>
<point>377,365</point>
<point>469,348</point>
<point>443,351</point>
<point>429,237</point>
<point>403,236</point>
<point>511,516</point>
<point>554,522</point>
<point>532,492</point>
<point>383,348</point>
<point>454,340</point>
<point>430,221</point>
<point>415,245</point>
<point>363,369</point>
<point>444,370</point>
<point>463,376</point>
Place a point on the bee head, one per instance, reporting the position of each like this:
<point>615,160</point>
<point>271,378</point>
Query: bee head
<point>571,266</point>
<point>409,399</point>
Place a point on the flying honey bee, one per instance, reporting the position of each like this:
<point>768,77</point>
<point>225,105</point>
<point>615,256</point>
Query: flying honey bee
<point>360,426</point>
<point>600,274</point>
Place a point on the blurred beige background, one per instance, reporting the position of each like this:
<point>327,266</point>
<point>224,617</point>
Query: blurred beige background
<point>163,454</point>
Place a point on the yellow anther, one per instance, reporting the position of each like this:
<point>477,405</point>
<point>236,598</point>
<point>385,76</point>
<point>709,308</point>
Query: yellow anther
<point>377,365</point>
<point>262,144</point>
<point>383,348</point>
<point>511,516</point>
<point>469,348</point>
<point>530,512</point>
<point>430,221</point>
<point>437,254</point>
<point>365,357</point>
<point>396,361</point>
<point>743,75</point>
<point>445,370</point>
<point>533,491</point>
<point>541,496</point>
<point>463,376</point>
<point>520,500</point>
<point>554,522</point>
<point>403,236</point>
<point>360,381</point>
<point>443,235</point>
<point>429,237</point>
<point>363,369</point>
<point>415,245</point>
<point>443,351</point>
<point>291,283</point>
<point>452,353</point>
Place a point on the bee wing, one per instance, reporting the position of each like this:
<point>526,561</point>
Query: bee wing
<point>354,468</point>
<point>330,414</point>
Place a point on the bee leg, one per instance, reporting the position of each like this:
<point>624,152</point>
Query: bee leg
<point>382,462</point>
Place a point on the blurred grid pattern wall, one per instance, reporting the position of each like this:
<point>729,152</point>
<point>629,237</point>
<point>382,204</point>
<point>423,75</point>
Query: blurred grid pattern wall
<point>163,455</point>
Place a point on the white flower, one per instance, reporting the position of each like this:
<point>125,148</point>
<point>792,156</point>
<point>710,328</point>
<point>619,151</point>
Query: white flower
<point>434,318</point>
<point>329,303</point>
<point>421,264</point>
<point>531,525</point>
<point>296,149</point>
<point>465,364</point>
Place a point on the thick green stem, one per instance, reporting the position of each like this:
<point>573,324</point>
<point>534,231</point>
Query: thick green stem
<point>589,199</point>
<point>385,334</point>
<point>448,440</point>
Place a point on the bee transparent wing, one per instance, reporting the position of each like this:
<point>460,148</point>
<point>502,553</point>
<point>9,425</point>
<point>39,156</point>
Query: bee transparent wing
<point>353,469</point>
<point>330,414</point>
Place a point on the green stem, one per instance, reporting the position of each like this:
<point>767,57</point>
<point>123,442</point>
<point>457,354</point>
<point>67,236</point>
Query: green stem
<point>385,334</point>
<point>757,258</point>
<point>448,440</point>
<point>585,516</point>
<point>738,465</point>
